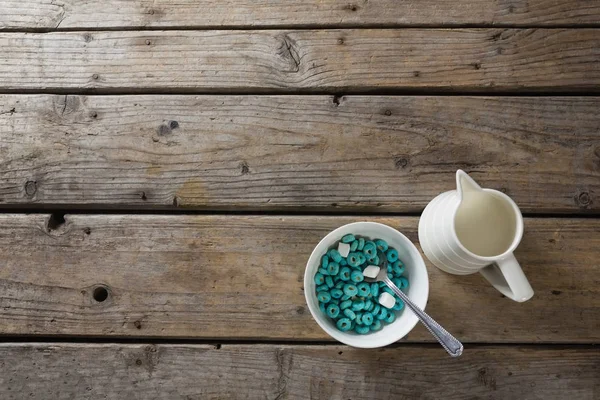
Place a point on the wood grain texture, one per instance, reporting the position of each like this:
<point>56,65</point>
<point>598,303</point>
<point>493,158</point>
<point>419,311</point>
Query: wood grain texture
<point>491,60</point>
<point>194,372</point>
<point>71,14</point>
<point>367,153</point>
<point>240,277</point>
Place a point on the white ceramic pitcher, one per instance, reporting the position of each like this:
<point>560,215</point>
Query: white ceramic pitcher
<point>470,230</point>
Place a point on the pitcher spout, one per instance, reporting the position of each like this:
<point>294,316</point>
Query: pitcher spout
<point>465,184</point>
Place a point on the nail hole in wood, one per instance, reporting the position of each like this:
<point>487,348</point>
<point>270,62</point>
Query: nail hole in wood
<point>583,200</point>
<point>100,294</point>
<point>244,167</point>
<point>55,221</point>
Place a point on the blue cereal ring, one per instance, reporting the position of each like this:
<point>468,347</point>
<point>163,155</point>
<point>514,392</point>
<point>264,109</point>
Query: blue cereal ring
<point>344,274</point>
<point>398,268</point>
<point>329,281</point>
<point>376,309</point>
<point>392,255</point>
<point>345,297</point>
<point>369,305</point>
<point>374,260</point>
<point>374,289</point>
<point>322,307</point>
<point>361,244</point>
<point>335,255</point>
<point>323,297</point>
<point>381,245</point>
<point>344,324</point>
<point>399,305</point>
<point>336,293</point>
<point>404,282</point>
<point>382,313</point>
<point>358,319</point>
<point>361,330</point>
<point>370,249</point>
<point>332,310</point>
<point>354,245</point>
<point>397,282</point>
<point>334,301</point>
<point>339,284</point>
<point>322,288</point>
<point>357,276</point>
<point>348,238</point>
<point>343,262</point>
<point>323,271</point>
<point>358,305</point>
<point>333,268</point>
<point>353,259</point>
<point>376,325</point>
<point>390,318</point>
<point>367,319</point>
<point>350,314</point>
<point>350,290</point>
<point>361,258</point>
<point>345,304</point>
<point>324,261</point>
<point>319,279</point>
<point>364,289</point>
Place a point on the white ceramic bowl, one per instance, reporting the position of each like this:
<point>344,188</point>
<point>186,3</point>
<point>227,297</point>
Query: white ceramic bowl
<point>415,271</point>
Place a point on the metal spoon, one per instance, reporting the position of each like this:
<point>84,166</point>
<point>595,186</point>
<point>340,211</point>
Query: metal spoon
<point>452,345</point>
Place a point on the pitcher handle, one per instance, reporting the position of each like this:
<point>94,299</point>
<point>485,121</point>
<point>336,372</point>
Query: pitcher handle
<point>508,277</point>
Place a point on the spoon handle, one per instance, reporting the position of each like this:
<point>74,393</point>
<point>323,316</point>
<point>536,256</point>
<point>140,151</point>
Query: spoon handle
<point>452,345</point>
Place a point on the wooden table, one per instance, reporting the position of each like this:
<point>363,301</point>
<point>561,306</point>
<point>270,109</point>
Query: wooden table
<point>167,168</point>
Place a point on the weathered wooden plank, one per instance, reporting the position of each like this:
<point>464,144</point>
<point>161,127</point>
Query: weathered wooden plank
<point>138,371</point>
<point>493,60</point>
<point>50,14</point>
<point>240,277</point>
<point>368,153</point>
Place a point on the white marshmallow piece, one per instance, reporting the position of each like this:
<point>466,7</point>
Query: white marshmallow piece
<point>387,300</point>
<point>344,249</point>
<point>371,271</point>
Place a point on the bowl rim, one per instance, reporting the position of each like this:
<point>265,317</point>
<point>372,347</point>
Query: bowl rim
<point>419,263</point>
